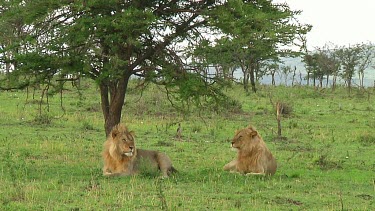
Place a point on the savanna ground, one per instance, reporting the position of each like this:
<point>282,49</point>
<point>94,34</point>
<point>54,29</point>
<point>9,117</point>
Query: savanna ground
<point>53,161</point>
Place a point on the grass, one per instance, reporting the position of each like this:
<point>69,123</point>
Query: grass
<point>53,161</point>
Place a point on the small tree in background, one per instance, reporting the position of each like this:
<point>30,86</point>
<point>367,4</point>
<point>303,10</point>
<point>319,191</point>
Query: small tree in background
<point>354,59</point>
<point>271,69</point>
<point>367,55</point>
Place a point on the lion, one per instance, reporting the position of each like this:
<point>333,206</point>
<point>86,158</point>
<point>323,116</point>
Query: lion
<point>122,158</point>
<point>253,156</point>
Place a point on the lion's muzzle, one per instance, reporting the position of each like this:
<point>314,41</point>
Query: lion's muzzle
<point>130,153</point>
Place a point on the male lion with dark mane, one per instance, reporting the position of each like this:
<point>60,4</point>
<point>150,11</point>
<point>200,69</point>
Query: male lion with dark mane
<point>253,155</point>
<point>122,158</point>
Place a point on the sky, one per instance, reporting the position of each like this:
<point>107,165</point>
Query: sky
<point>341,22</point>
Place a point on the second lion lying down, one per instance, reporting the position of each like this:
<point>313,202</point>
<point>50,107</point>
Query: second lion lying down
<point>253,155</point>
<point>122,158</point>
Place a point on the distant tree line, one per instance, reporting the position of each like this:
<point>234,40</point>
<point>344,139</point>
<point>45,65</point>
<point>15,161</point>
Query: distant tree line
<point>342,61</point>
<point>323,66</point>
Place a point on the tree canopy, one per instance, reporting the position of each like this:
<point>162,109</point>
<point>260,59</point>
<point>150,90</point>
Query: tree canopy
<point>110,41</point>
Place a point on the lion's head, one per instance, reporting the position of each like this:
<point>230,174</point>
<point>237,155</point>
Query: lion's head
<point>122,142</point>
<point>245,138</point>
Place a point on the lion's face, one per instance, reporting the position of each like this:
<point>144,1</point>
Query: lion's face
<point>243,138</point>
<point>126,144</point>
<point>124,140</point>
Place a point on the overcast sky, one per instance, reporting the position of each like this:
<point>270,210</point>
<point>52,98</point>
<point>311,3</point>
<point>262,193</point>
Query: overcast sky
<point>341,22</point>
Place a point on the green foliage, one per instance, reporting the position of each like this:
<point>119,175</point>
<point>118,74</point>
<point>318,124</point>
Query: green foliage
<point>254,32</point>
<point>111,41</point>
<point>191,90</point>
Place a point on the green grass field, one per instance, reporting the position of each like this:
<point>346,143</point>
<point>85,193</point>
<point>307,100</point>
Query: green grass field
<point>53,161</point>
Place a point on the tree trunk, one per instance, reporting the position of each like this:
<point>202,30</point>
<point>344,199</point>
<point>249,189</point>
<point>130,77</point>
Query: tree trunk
<point>246,81</point>
<point>232,72</point>
<point>279,110</point>
<point>112,95</point>
<point>321,81</point>
<point>245,78</point>
<point>294,75</point>
<point>273,78</point>
<point>308,78</point>
<point>327,80</point>
<point>361,79</point>
<point>7,68</point>
<point>349,84</point>
<point>252,79</point>
<point>314,81</point>
<point>334,82</point>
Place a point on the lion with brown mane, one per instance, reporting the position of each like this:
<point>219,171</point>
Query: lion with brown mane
<point>122,158</point>
<point>253,156</point>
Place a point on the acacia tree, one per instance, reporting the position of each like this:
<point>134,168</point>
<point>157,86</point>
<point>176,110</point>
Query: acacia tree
<point>355,58</point>
<point>322,64</point>
<point>367,55</point>
<point>284,73</point>
<point>332,65</point>
<point>110,41</point>
<point>272,67</point>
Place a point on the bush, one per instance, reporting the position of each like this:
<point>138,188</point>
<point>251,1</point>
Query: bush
<point>42,119</point>
<point>367,139</point>
<point>232,105</point>
<point>286,109</point>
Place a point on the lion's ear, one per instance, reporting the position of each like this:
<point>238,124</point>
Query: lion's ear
<point>132,133</point>
<point>114,132</point>
<point>253,133</point>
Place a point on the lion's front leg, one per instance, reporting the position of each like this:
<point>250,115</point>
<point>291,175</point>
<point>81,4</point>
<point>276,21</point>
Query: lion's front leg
<point>122,172</point>
<point>252,173</point>
<point>116,174</point>
<point>231,166</point>
<point>256,171</point>
<point>107,171</point>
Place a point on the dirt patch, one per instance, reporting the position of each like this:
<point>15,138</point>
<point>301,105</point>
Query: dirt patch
<point>282,200</point>
<point>364,197</point>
